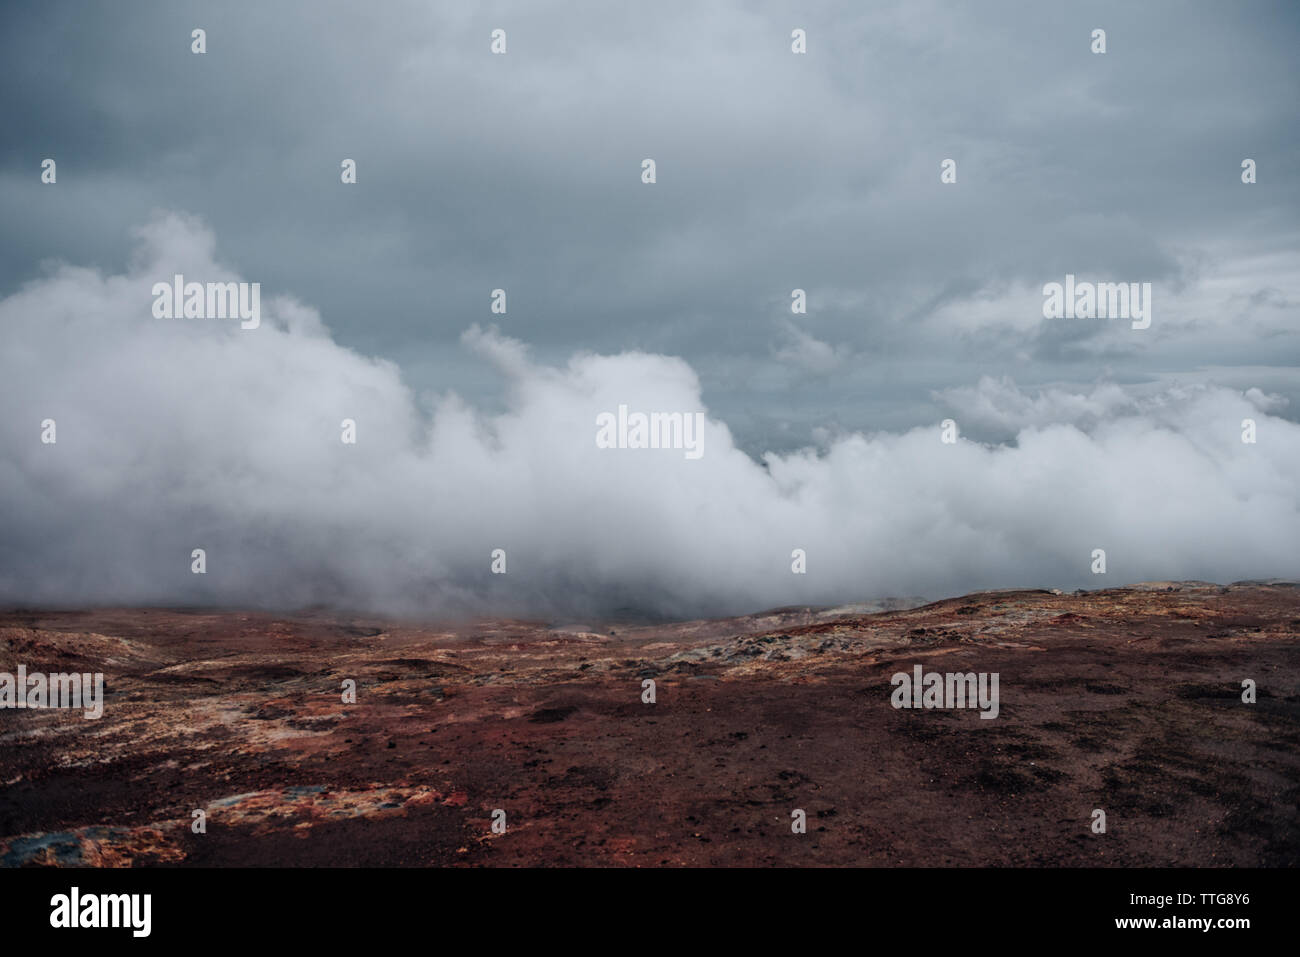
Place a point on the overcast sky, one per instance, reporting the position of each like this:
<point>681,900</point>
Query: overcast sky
<point>774,171</point>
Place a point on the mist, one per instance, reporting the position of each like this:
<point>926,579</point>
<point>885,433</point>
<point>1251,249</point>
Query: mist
<point>177,434</point>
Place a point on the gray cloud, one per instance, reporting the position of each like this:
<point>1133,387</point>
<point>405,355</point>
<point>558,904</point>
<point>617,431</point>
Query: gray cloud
<point>776,171</point>
<point>176,434</point>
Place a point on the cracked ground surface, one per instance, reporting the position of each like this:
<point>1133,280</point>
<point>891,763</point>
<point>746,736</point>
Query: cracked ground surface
<point>1128,700</point>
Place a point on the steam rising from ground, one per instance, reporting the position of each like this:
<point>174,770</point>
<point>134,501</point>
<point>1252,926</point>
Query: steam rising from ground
<point>183,434</point>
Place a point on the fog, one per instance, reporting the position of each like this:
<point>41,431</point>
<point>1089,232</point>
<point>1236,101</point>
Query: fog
<point>176,434</point>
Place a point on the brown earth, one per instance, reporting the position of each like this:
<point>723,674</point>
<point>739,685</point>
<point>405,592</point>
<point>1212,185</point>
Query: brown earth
<point>1128,700</point>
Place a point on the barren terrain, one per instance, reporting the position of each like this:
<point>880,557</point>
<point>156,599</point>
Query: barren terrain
<point>1128,700</point>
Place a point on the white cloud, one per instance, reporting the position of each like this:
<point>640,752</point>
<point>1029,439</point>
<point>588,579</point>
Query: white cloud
<point>176,434</point>
<point>999,404</point>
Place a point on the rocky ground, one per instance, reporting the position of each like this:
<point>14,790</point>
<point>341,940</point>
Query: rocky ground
<point>1128,700</point>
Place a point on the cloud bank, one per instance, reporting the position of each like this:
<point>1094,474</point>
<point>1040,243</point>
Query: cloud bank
<point>182,434</point>
<point>776,171</point>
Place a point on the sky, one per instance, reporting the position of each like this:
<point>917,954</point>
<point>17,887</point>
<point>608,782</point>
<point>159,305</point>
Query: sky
<point>522,171</point>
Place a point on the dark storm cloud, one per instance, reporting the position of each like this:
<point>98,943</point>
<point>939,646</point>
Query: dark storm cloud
<point>775,171</point>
